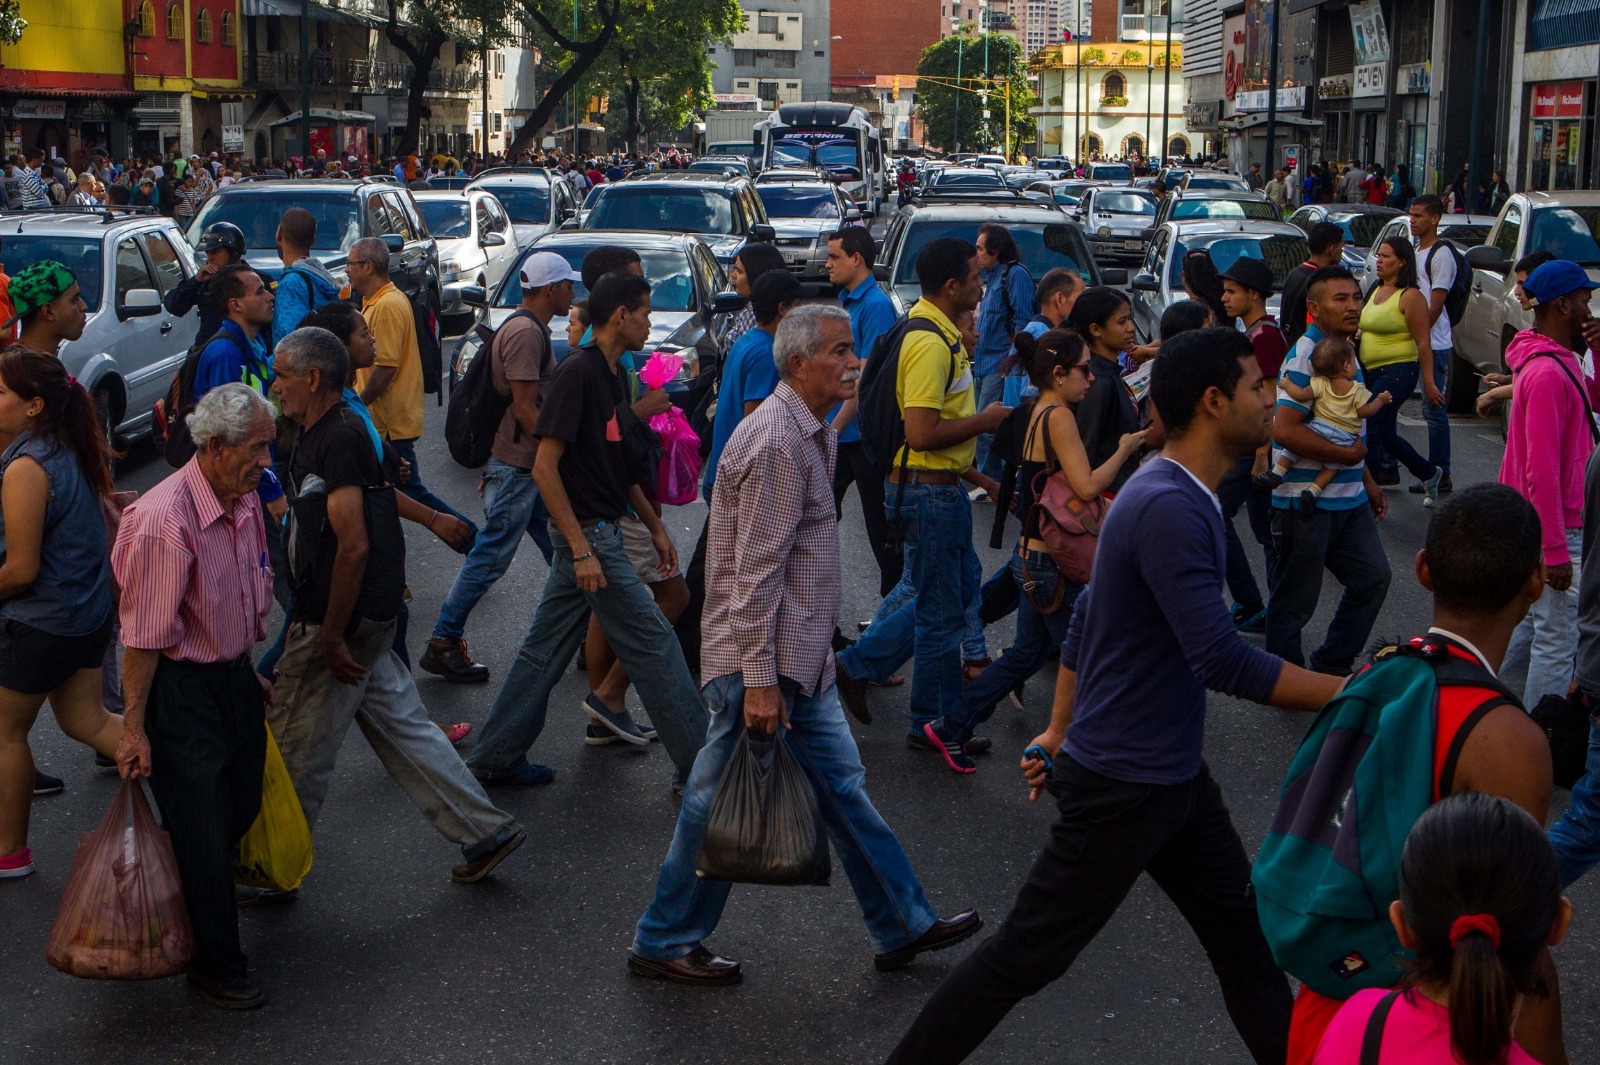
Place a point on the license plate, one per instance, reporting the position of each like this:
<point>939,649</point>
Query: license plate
<point>793,257</point>
<point>1132,245</point>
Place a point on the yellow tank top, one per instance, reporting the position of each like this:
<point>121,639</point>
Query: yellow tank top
<point>1385,337</point>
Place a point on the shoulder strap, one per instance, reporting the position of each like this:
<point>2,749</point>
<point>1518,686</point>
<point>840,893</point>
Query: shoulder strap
<point>1372,1040</point>
<point>1583,395</point>
<point>1005,294</point>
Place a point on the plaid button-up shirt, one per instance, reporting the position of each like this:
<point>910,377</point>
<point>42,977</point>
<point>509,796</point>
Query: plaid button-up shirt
<point>772,550</point>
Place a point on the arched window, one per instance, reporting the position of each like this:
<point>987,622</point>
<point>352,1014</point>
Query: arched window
<point>147,19</point>
<point>175,21</point>
<point>1178,145</point>
<point>1132,145</point>
<point>202,26</point>
<point>1091,146</point>
<point>227,28</point>
<point>1114,85</point>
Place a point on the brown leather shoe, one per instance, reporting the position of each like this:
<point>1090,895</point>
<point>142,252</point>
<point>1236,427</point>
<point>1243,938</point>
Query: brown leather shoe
<point>946,932</point>
<point>448,658</point>
<point>699,967</point>
<point>852,692</point>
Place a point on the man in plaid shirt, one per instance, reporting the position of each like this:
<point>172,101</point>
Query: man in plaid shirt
<point>772,599</point>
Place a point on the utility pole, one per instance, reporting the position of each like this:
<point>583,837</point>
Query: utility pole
<point>961,39</point>
<point>305,87</point>
<point>484,158</point>
<point>1272,95</point>
<point>1480,74</point>
<point>1166,84</point>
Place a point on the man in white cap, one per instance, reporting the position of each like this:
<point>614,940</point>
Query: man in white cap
<point>520,360</point>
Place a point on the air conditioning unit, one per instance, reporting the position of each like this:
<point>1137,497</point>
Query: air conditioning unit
<point>779,35</point>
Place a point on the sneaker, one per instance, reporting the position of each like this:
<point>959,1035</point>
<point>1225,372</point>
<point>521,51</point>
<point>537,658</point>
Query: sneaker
<point>475,870</point>
<point>1252,621</point>
<point>102,761</point>
<point>1445,487</point>
<point>978,495</point>
<point>1430,488</point>
<point>15,865</point>
<point>1268,479</point>
<point>622,725</point>
<point>45,784</point>
<point>917,741</point>
<point>228,992</point>
<point>1017,694</point>
<point>528,773</point>
<point>599,736</point>
<point>446,657</point>
<point>954,756</point>
<point>1388,477</point>
<point>249,895</point>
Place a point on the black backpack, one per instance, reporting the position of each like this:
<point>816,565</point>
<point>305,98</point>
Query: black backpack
<point>476,406</point>
<point>883,425</point>
<point>171,413</point>
<point>429,348</point>
<point>1455,298</point>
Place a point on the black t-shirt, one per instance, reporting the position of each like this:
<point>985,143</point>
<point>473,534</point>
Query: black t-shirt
<point>579,406</point>
<point>1292,312</point>
<point>334,453</point>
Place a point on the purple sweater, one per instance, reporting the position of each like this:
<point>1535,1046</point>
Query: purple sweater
<point>1151,633</point>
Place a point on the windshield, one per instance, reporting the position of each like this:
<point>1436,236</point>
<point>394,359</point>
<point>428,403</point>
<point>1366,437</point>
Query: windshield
<point>1112,172</point>
<point>82,257</point>
<point>1043,246</point>
<point>1215,181</point>
<point>1464,236</point>
<point>838,153</point>
<point>1281,252</point>
<point>1565,232</point>
<point>447,219</point>
<point>671,286</point>
<point>528,205</point>
<point>658,207</point>
<point>1224,209</point>
<point>973,179</point>
<point>1124,203</point>
<point>257,214</point>
<point>1360,230</point>
<point>788,201</point>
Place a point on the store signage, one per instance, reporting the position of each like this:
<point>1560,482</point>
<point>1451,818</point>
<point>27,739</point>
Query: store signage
<point>1233,64</point>
<point>1333,88</point>
<point>1370,80</point>
<point>1371,37</point>
<point>1414,79</point>
<point>233,138</point>
<point>45,109</point>
<point>1289,99</point>
<point>1569,99</point>
<point>1544,101</point>
<point>1201,115</point>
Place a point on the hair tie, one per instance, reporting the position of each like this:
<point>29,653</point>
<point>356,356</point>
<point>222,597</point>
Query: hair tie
<point>1468,923</point>
<point>71,381</point>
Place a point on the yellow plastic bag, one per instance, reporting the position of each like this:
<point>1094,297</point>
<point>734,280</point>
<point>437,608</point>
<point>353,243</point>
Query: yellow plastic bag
<point>276,852</point>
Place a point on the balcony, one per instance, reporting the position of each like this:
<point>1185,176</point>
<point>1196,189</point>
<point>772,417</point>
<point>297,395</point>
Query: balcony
<point>281,71</point>
<point>1149,28</point>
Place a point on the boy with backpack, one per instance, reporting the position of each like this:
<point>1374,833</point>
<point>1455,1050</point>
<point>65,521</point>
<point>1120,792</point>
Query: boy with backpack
<point>1444,278</point>
<point>1427,720</point>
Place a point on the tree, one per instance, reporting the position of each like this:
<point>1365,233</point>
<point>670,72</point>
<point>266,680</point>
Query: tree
<point>11,22</point>
<point>582,52</point>
<point>947,127</point>
<point>660,88</point>
<point>473,24</point>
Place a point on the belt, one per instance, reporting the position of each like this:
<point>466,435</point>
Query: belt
<point>242,662</point>
<point>899,476</point>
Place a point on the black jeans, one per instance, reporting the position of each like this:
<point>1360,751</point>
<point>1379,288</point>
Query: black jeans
<point>687,626</point>
<point>1108,833</point>
<point>208,750</point>
<point>855,466</point>
<point>1346,543</point>
<point>1237,490</point>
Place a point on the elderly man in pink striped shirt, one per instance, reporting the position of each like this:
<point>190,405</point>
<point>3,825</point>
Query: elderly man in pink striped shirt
<point>191,560</point>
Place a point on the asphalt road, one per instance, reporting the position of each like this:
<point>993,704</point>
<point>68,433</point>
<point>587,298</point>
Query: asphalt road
<point>383,959</point>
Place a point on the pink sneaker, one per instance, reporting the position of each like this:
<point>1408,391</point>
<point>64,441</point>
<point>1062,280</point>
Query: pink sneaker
<point>15,865</point>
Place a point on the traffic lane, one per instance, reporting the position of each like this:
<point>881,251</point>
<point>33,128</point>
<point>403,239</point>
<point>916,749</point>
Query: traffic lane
<point>529,965</point>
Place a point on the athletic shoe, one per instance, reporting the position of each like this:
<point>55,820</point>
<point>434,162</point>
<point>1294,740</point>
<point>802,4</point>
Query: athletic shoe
<point>1254,621</point>
<point>917,741</point>
<point>1445,487</point>
<point>475,870</point>
<point>103,762</point>
<point>599,736</point>
<point>954,756</point>
<point>1430,488</point>
<point>15,865</point>
<point>528,773</point>
<point>1389,477</point>
<point>622,725</point>
<point>45,784</point>
<point>978,495</point>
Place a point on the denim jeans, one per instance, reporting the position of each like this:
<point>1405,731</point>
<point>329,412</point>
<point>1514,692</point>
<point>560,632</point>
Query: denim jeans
<point>686,908</point>
<point>1346,543</point>
<point>638,633</point>
<point>1383,428</point>
<point>936,528</point>
<point>1547,639</point>
<point>1438,418</point>
<point>1239,489</point>
<point>974,644</point>
<point>1576,837</point>
<point>407,450</point>
<point>511,507</point>
<point>1037,640</point>
<point>990,388</point>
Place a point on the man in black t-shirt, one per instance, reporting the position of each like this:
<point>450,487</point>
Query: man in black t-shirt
<point>347,559</point>
<point>583,477</point>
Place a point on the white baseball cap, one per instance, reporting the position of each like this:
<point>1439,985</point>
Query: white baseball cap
<point>546,268</point>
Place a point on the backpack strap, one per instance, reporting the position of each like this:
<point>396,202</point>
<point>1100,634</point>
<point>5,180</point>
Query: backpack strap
<point>1583,395</point>
<point>1372,1039</point>
<point>913,325</point>
<point>1453,671</point>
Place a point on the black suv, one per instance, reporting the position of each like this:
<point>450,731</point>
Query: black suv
<point>723,210</point>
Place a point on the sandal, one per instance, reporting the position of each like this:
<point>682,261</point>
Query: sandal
<point>972,669</point>
<point>457,732</point>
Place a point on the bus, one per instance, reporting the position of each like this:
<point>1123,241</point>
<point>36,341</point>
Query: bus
<point>837,137</point>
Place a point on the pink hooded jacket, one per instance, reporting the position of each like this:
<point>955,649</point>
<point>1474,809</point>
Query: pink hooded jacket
<point>1550,436</point>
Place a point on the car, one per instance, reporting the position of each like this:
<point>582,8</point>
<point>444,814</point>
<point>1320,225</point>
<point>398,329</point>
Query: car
<point>126,260</point>
<point>1172,176</point>
<point>689,306</point>
<point>1045,238</point>
<point>990,160</point>
<point>1064,194</point>
<point>1462,230</point>
<point>805,214</point>
<point>1159,283</point>
<point>538,201</point>
<point>724,210</point>
<point>1114,220</point>
<point>1217,179</point>
<point>474,236</point>
<point>345,212</point>
<point>1055,163</point>
<point>454,181</point>
<point>1022,177</point>
<point>1359,221</point>
<point>1183,204</point>
<point>1120,173</point>
<point>738,164</point>
<point>1562,223</point>
<point>963,177</point>
<point>792,173</point>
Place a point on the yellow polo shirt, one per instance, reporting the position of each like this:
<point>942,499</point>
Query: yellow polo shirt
<point>925,380</point>
<point>397,414</point>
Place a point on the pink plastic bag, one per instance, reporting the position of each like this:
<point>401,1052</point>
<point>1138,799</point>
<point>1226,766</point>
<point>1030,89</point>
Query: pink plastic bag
<point>660,368</point>
<point>678,480</point>
<point>122,915</point>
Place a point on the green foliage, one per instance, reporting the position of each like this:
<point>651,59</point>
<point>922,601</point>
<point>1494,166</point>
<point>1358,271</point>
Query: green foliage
<point>651,84</point>
<point>1114,101</point>
<point>1094,54</point>
<point>1132,56</point>
<point>11,22</point>
<point>936,102</point>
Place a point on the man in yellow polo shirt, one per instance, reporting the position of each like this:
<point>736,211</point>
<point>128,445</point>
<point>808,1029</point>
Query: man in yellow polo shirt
<point>392,386</point>
<point>937,398</point>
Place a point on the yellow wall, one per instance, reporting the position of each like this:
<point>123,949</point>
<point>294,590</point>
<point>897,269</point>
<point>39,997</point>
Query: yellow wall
<point>78,36</point>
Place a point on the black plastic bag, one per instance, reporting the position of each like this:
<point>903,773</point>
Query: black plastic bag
<point>1565,721</point>
<point>763,826</point>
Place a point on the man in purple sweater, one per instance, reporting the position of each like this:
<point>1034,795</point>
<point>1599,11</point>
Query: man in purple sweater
<point>1133,790</point>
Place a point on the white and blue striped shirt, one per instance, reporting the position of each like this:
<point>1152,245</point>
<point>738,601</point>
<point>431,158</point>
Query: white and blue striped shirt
<point>1347,491</point>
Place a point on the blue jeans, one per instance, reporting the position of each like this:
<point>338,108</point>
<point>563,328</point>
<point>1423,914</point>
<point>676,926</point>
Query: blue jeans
<point>1038,638</point>
<point>1346,543</point>
<point>974,645</point>
<point>1576,837</point>
<point>511,507</point>
<point>407,450</point>
<point>638,633</point>
<point>1438,418</point>
<point>1383,428</point>
<point>991,387</point>
<point>936,527</point>
<point>686,908</point>
<point>1547,638</point>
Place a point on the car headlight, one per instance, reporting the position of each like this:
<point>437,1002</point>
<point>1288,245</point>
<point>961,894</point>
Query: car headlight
<point>467,351</point>
<point>1105,231</point>
<point>449,270</point>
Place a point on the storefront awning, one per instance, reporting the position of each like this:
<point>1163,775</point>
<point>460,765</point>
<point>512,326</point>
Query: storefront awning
<point>1563,24</point>
<point>71,94</point>
<point>207,92</point>
<point>308,9</point>
<point>325,114</point>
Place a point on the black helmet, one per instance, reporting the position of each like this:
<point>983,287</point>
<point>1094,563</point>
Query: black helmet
<point>222,235</point>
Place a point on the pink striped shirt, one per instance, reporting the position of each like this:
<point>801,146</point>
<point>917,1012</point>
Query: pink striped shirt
<point>195,580</point>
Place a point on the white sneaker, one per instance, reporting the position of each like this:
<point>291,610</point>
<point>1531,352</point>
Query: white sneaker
<point>978,495</point>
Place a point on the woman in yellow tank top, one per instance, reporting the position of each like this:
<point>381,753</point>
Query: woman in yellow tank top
<point>1394,352</point>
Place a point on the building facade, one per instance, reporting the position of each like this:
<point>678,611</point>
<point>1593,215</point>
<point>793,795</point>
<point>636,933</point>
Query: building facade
<point>781,55</point>
<point>186,65</point>
<point>67,86</point>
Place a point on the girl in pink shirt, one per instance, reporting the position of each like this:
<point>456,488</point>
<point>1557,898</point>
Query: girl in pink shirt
<point>1480,899</point>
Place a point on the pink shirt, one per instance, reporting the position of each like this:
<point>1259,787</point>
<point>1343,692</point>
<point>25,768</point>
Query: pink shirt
<point>1417,1033</point>
<point>195,580</point>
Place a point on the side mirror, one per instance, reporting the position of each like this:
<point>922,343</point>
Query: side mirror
<point>474,295</point>
<point>853,215</point>
<point>727,303</point>
<point>394,242</point>
<point>761,232</point>
<point>1487,257</point>
<point>493,240</point>
<point>1114,276</point>
<point>1145,283</point>
<point>880,273</point>
<point>139,303</point>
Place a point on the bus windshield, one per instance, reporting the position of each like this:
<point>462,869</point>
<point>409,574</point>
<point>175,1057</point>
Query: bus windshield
<point>840,154</point>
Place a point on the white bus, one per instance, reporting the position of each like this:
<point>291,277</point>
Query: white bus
<point>839,138</point>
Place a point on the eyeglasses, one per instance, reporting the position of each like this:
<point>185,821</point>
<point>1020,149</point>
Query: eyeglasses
<point>357,262</point>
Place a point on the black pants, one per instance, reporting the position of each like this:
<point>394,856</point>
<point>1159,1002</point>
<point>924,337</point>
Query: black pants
<point>688,624</point>
<point>1238,489</point>
<point>208,749</point>
<point>855,466</point>
<point>1346,543</point>
<point>1108,833</point>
